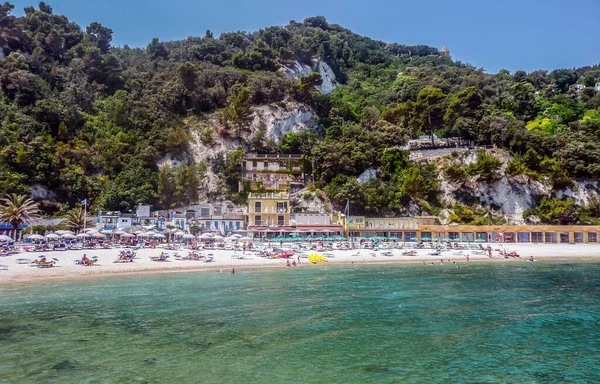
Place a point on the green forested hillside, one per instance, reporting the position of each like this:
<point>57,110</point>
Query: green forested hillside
<point>89,120</point>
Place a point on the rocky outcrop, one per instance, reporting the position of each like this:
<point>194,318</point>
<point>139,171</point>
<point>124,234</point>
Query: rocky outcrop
<point>282,118</point>
<point>39,191</point>
<point>510,196</point>
<point>297,69</point>
<point>583,193</point>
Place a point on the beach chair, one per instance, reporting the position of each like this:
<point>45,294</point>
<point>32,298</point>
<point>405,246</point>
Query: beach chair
<point>3,267</point>
<point>23,261</point>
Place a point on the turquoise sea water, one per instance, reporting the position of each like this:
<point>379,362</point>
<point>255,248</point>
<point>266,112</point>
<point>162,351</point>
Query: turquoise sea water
<point>526,323</point>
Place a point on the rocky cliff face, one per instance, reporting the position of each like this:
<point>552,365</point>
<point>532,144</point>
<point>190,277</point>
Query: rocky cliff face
<point>510,195</point>
<point>297,69</point>
<point>205,145</point>
<point>282,118</point>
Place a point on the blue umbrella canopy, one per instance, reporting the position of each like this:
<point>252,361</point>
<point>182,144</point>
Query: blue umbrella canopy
<point>415,239</point>
<point>426,239</point>
<point>458,239</point>
<point>447,239</point>
<point>480,240</point>
<point>436,239</point>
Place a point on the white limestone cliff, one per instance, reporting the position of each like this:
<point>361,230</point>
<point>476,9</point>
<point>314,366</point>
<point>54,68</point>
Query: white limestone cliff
<point>297,69</point>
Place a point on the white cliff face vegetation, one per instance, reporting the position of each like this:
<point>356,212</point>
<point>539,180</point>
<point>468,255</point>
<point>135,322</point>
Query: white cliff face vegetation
<point>297,69</point>
<point>282,118</point>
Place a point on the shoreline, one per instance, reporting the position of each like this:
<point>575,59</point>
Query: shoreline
<point>22,274</point>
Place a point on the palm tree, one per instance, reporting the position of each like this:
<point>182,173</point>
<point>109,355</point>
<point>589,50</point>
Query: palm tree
<point>18,210</point>
<point>75,219</point>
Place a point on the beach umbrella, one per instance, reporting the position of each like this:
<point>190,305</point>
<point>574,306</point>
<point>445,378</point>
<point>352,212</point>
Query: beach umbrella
<point>127,235</point>
<point>415,239</point>
<point>35,237</point>
<point>147,234</point>
<point>458,239</point>
<point>83,236</point>
<point>426,239</point>
<point>120,233</point>
<point>188,236</point>
<point>52,236</point>
<point>436,239</point>
<point>246,238</point>
<point>480,240</point>
<point>5,238</point>
<point>218,237</point>
<point>107,231</point>
<point>68,236</point>
<point>179,233</point>
<point>139,232</point>
<point>205,236</point>
<point>99,236</point>
<point>447,239</point>
<point>158,236</point>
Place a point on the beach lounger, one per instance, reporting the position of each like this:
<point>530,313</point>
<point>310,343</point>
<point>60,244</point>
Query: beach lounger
<point>3,267</point>
<point>23,261</point>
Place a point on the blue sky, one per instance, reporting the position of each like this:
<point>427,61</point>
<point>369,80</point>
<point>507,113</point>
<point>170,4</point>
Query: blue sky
<point>493,34</point>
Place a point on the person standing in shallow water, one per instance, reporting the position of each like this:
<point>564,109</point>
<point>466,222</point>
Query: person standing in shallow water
<point>232,271</point>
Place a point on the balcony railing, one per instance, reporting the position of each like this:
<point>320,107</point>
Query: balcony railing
<point>267,223</point>
<point>271,210</point>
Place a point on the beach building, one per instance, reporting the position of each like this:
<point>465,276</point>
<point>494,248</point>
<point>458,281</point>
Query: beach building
<point>316,225</point>
<point>399,228</point>
<point>272,172</point>
<point>553,234</point>
<point>223,217</point>
<point>113,220</point>
<point>225,224</point>
<point>268,213</point>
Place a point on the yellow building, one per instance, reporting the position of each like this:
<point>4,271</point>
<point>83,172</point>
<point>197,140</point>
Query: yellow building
<point>268,210</point>
<point>387,227</point>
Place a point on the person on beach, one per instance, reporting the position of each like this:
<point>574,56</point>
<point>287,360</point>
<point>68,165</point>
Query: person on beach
<point>85,260</point>
<point>531,258</point>
<point>244,249</point>
<point>232,272</point>
<point>294,264</point>
<point>288,264</point>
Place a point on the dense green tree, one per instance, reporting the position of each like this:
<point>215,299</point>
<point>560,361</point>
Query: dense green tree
<point>429,109</point>
<point>238,114</point>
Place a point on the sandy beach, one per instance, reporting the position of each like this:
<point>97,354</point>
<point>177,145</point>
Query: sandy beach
<point>19,269</point>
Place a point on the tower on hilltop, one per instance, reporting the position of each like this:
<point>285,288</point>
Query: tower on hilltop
<point>445,52</point>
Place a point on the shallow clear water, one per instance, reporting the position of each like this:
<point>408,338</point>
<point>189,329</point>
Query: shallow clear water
<point>527,322</point>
